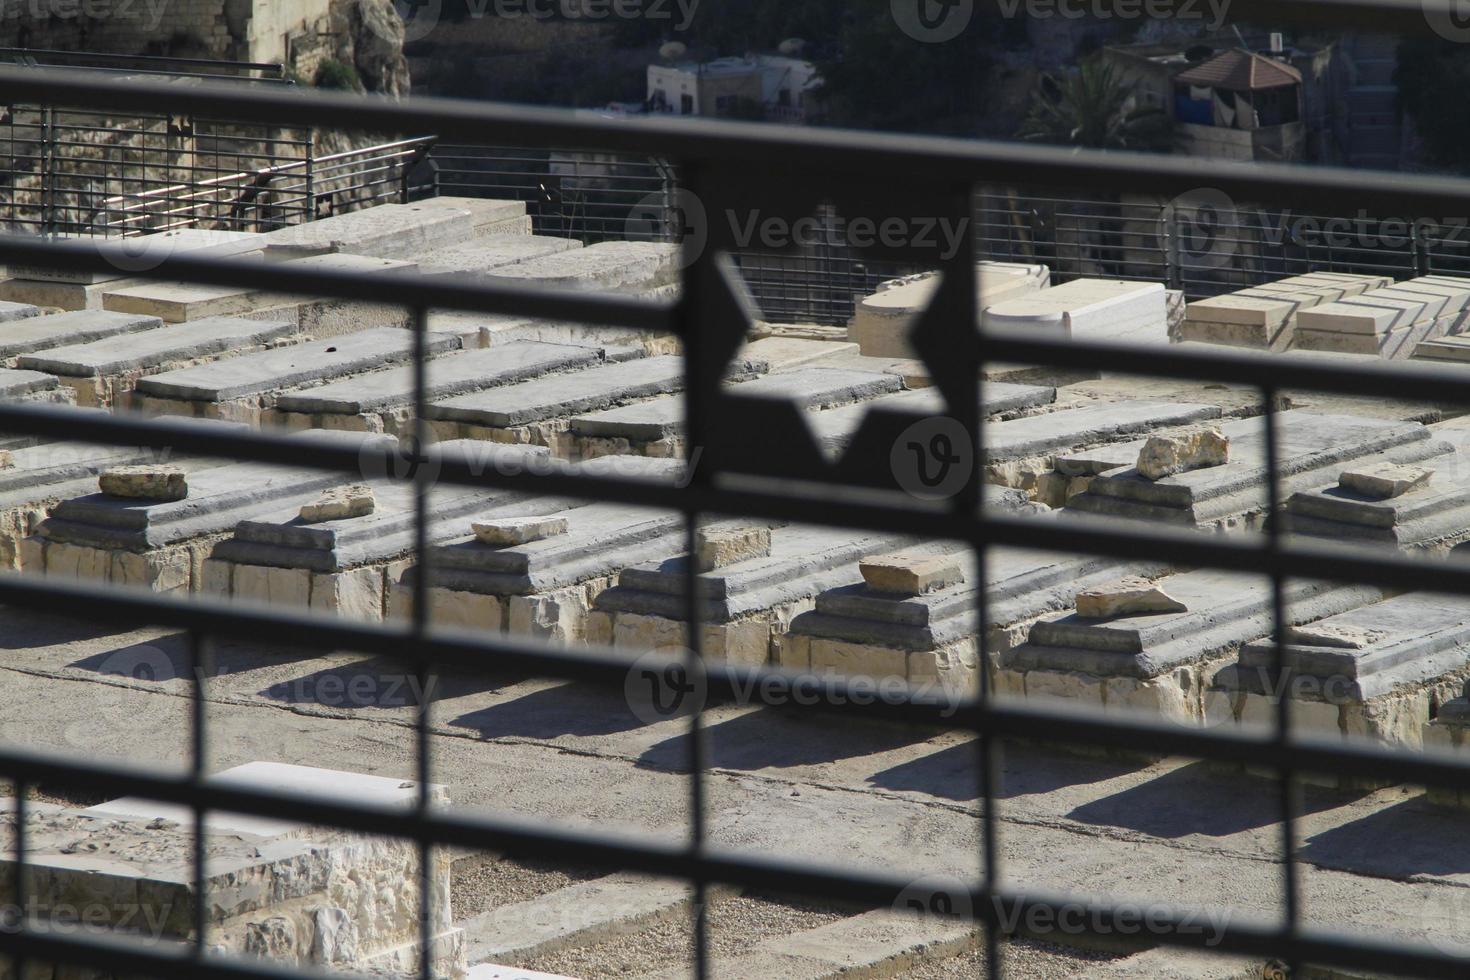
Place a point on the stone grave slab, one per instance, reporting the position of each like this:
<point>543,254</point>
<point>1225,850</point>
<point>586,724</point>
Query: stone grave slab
<point>835,427</point>
<point>346,566</point>
<point>1314,448</point>
<point>544,588</point>
<point>179,302</point>
<point>17,311</point>
<point>656,427</point>
<point>383,400</point>
<point>75,327</point>
<point>489,252</point>
<point>619,266</point>
<point>1164,663</point>
<point>1265,316</point>
<point>145,251</point>
<point>931,639</point>
<point>243,387</point>
<point>881,322</point>
<point>162,545</point>
<point>490,217</point>
<point>1104,309</point>
<point>273,889</point>
<point>1390,322</point>
<point>1372,671</point>
<point>539,411</point>
<point>387,231</point>
<point>101,371</point>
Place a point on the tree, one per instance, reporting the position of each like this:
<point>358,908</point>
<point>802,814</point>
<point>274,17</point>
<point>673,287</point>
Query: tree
<point>1094,107</point>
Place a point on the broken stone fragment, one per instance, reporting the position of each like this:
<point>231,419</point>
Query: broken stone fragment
<point>1129,596</point>
<point>718,547</point>
<point>503,532</point>
<point>1191,449</point>
<point>1330,635</point>
<point>1382,481</point>
<point>339,503</point>
<point>144,482</point>
<point>904,573</point>
<point>6,459</point>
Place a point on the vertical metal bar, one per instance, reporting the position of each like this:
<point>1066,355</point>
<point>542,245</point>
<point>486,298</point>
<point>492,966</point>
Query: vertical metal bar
<point>423,762</point>
<point>687,320</point>
<point>199,671</point>
<point>1291,895</point>
<point>22,887</point>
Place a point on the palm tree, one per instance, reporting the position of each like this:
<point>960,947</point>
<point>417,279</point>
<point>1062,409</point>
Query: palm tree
<point>1093,107</point>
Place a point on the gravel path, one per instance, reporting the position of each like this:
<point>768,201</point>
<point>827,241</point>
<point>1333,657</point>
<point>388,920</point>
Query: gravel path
<point>479,884</point>
<point>1021,959</point>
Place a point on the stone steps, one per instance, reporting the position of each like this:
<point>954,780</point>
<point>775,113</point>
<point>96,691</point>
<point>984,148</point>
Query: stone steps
<point>101,371</point>
<point>245,388</point>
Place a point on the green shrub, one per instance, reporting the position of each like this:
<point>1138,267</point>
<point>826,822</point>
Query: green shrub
<point>335,74</point>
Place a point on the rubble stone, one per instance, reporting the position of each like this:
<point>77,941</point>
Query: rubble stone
<point>1382,481</point>
<point>504,532</point>
<point>1127,596</point>
<point>145,482</point>
<point>718,547</point>
<point>904,573</point>
<point>1193,449</point>
<point>339,503</point>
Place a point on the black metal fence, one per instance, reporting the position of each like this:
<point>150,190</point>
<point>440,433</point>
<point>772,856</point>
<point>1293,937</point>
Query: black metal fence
<point>729,168</point>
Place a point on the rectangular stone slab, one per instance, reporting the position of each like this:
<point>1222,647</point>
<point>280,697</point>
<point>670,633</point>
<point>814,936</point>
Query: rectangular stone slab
<point>388,231</point>
<point>1307,442</point>
<point>20,383</point>
<point>806,388</point>
<point>1372,313</point>
<point>140,351</point>
<point>1445,490</point>
<point>178,302</point>
<point>804,561</point>
<point>601,540</point>
<point>144,249</point>
<point>1225,610</point>
<point>219,498</point>
<point>480,254</point>
<point>564,394</point>
<point>252,374</point>
<point>606,265</point>
<point>451,374</point>
<point>1273,304</point>
<point>1040,435</point>
<point>17,311</point>
<point>835,427</point>
<point>1101,308</point>
<point>1420,636</point>
<point>76,327</point>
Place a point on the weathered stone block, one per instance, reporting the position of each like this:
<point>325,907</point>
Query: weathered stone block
<point>150,482</point>
<point>356,593</point>
<point>277,586</point>
<point>505,532</point>
<point>339,503</point>
<point>1192,449</point>
<point>907,573</point>
<point>1127,596</point>
<point>465,610</point>
<point>1382,481</point>
<point>718,547</point>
